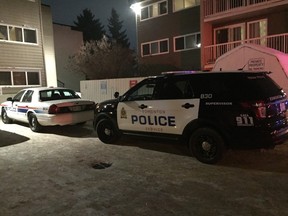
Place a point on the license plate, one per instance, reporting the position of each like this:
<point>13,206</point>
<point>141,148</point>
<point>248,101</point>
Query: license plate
<point>75,108</point>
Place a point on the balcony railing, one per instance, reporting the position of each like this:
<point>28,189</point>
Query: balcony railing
<point>218,6</point>
<point>278,42</point>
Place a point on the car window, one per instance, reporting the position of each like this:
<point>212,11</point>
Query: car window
<point>143,91</point>
<point>255,87</point>
<point>175,88</point>
<point>28,96</point>
<point>18,96</point>
<point>234,86</point>
<point>58,94</point>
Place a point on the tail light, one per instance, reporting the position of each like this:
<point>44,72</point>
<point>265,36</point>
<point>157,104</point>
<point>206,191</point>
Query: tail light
<point>53,109</point>
<point>259,108</point>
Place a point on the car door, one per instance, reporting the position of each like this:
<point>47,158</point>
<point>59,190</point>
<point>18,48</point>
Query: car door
<point>24,105</point>
<point>12,110</point>
<point>158,107</point>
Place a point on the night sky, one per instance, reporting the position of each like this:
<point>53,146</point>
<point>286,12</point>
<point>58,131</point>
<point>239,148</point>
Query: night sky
<point>66,11</point>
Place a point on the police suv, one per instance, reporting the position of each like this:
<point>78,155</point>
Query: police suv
<point>209,111</point>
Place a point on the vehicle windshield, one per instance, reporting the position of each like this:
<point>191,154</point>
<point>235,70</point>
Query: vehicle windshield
<point>58,94</point>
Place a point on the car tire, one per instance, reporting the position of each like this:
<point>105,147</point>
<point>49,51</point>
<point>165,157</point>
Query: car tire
<point>207,145</point>
<point>5,118</point>
<point>33,123</point>
<point>107,131</point>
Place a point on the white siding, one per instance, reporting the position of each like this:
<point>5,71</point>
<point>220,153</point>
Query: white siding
<point>91,89</point>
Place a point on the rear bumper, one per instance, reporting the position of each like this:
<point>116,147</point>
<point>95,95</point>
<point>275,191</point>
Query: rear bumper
<point>251,137</point>
<point>65,118</point>
<point>280,136</point>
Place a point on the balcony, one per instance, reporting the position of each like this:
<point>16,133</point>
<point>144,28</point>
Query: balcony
<point>211,53</point>
<point>219,9</point>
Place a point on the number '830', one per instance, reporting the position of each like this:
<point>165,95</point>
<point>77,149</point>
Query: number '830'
<point>206,96</point>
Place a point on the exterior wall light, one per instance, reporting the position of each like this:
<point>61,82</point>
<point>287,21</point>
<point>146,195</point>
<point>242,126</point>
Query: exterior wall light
<point>136,7</point>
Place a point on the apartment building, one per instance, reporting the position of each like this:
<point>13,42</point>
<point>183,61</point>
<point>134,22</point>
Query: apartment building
<point>168,32</point>
<point>26,46</point>
<point>227,24</point>
<point>67,43</point>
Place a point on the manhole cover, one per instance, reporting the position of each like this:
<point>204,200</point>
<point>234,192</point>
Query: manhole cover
<point>101,165</point>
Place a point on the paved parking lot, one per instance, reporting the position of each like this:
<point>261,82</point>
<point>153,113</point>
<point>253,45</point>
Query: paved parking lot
<point>53,173</point>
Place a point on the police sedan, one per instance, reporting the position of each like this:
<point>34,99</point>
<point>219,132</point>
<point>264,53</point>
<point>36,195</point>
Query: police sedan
<point>47,106</point>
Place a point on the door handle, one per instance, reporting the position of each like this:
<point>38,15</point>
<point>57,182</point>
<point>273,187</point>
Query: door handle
<point>142,106</point>
<point>187,105</point>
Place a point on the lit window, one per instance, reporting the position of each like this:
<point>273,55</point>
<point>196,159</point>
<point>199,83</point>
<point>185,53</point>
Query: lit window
<point>186,42</point>
<point>182,4</point>
<point>154,10</point>
<point>15,34</point>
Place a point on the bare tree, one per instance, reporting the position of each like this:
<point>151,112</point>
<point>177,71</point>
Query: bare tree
<point>102,59</point>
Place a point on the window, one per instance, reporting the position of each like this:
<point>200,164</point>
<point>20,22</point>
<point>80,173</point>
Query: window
<point>182,4</point>
<point>57,94</point>
<point>30,36</point>
<point>18,96</point>
<point>230,33</point>
<point>5,78</point>
<point>144,91</point>
<point>229,37</point>
<point>154,10</point>
<point>28,96</point>
<point>187,42</point>
<point>175,88</point>
<point>18,34</point>
<point>19,78</point>
<point>33,78</point>
<point>16,78</point>
<point>257,29</point>
<point>3,32</point>
<point>15,34</point>
<point>155,47</point>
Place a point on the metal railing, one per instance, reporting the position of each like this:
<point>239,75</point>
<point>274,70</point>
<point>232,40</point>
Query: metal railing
<point>218,6</point>
<point>278,42</point>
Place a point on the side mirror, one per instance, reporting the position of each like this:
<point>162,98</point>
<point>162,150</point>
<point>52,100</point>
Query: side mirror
<point>9,99</point>
<point>116,94</point>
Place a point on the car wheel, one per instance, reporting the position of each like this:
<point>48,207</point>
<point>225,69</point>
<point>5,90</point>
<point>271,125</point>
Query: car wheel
<point>5,118</point>
<point>107,131</point>
<point>207,145</point>
<point>34,124</point>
